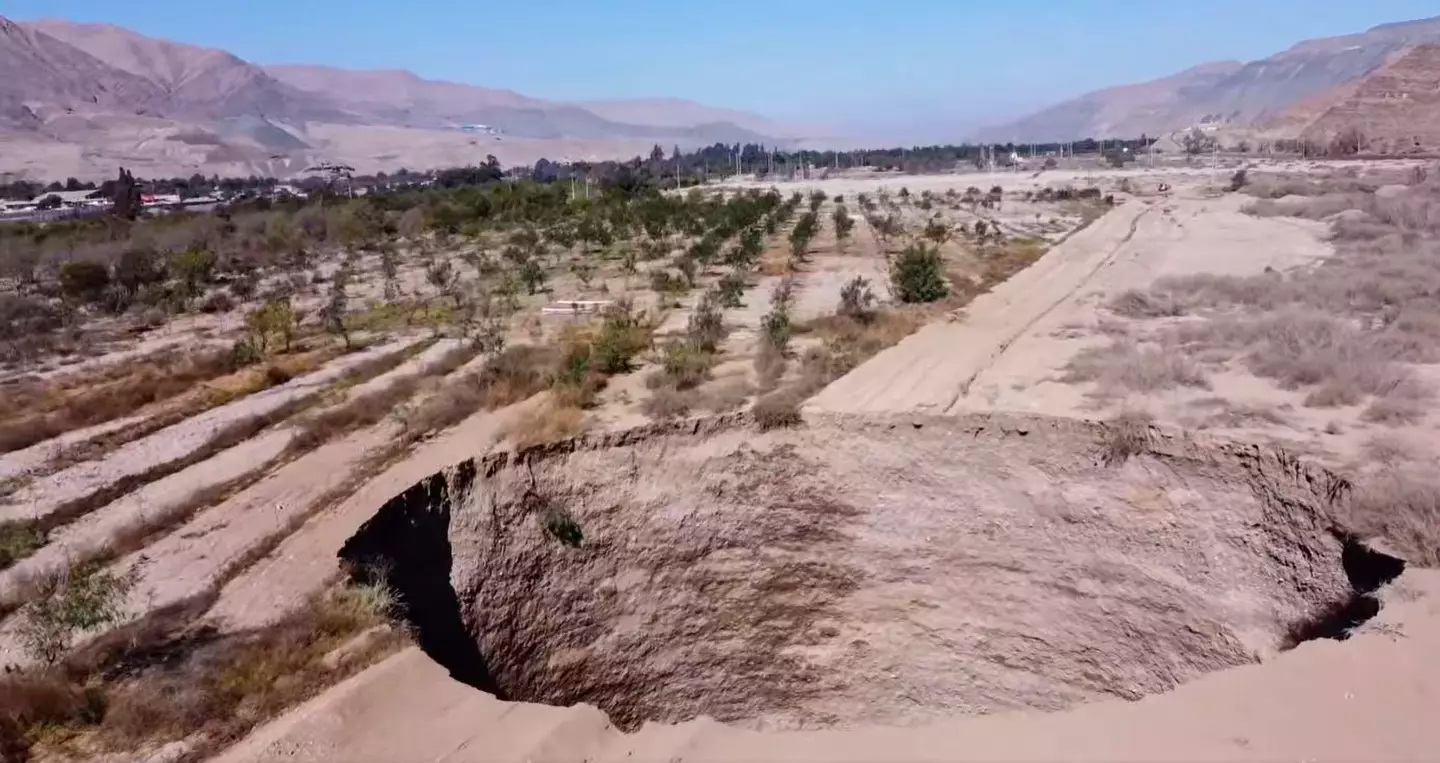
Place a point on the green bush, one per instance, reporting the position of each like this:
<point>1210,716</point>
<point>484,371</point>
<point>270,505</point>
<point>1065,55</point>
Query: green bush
<point>915,275</point>
<point>622,336</point>
<point>84,280</point>
<point>69,603</point>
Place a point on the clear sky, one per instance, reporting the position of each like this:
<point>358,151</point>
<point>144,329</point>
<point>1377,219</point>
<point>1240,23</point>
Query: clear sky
<point>867,67</point>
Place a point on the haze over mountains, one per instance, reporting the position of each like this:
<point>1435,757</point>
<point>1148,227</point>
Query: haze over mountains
<point>1313,89</point>
<point>76,99</point>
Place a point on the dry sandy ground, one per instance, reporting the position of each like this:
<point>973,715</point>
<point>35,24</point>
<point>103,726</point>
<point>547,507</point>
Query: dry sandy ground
<point>307,561</point>
<point>1012,345</point>
<point>44,496</point>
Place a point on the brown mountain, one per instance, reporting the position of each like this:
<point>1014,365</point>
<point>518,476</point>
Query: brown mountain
<point>1283,93</point>
<point>39,72</point>
<point>198,82</point>
<point>78,99</point>
<point>404,99</point>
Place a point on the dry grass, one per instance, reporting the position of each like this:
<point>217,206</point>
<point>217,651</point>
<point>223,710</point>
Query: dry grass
<point>1344,331</point>
<point>1125,366</point>
<point>49,412</point>
<point>1402,505</point>
<point>515,374</point>
<point>372,408</point>
<point>160,681</point>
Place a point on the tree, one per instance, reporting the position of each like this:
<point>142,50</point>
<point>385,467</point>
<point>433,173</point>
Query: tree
<point>338,305</point>
<point>843,224</point>
<point>49,202</point>
<point>138,266</point>
<point>1197,142</point>
<point>916,275</point>
<point>271,323</point>
<point>194,268</point>
<point>126,200</point>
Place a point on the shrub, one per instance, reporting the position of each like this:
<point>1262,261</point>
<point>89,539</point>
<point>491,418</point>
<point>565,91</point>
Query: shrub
<point>84,280</point>
<point>623,335</point>
<point>683,365</point>
<point>1238,180</point>
<point>18,539</point>
<point>857,301</point>
<point>273,323</point>
<point>706,328</point>
<point>22,316</point>
<point>777,409</point>
<point>915,275</point>
<point>666,402</point>
<point>1124,436</point>
<point>68,603</point>
<point>730,289</point>
<point>843,224</point>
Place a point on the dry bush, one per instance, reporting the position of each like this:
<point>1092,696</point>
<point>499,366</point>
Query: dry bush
<point>551,421</point>
<point>1299,349</point>
<point>1125,366</point>
<point>1405,403</point>
<point>1138,304</point>
<point>1126,435</point>
<point>778,409</point>
<point>683,365</point>
<point>668,402</point>
<point>38,700</point>
<point>1401,505</point>
<point>515,374</point>
<point>1389,450</point>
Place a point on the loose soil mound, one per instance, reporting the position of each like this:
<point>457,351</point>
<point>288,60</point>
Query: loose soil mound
<point>859,570</point>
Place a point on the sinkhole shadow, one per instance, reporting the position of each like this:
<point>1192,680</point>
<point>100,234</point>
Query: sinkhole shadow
<point>1367,570</point>
<point>408,544</point>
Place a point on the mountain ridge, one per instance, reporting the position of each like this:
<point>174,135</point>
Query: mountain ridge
<point>78,99</point>
<point>1277,96</point>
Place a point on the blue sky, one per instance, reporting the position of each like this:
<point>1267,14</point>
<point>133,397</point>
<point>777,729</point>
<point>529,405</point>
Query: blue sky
<point>863,66</point>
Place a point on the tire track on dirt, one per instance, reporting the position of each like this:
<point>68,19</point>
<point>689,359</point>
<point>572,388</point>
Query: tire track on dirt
<point>1004,345</point>
<point>934,368</point>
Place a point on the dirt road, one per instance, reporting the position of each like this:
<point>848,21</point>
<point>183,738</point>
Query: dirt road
<point>1015,340</point>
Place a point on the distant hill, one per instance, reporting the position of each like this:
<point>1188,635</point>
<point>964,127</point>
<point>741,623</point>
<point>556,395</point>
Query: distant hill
<point>81,98</point>
<point>1300,92</point>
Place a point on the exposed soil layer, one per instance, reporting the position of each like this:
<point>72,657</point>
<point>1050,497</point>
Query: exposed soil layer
<point>858,570</point>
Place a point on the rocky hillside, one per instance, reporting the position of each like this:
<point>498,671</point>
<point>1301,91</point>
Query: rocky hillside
<point>1284,93</point>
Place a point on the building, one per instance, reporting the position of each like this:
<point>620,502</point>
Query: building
<point>75,199</point>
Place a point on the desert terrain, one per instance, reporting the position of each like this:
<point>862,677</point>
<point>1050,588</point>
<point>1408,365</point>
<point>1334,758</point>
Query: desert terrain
<point>1086,463</point>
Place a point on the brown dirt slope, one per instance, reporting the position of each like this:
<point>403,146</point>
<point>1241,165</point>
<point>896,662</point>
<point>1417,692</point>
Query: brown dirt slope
<point>1396,108</point>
